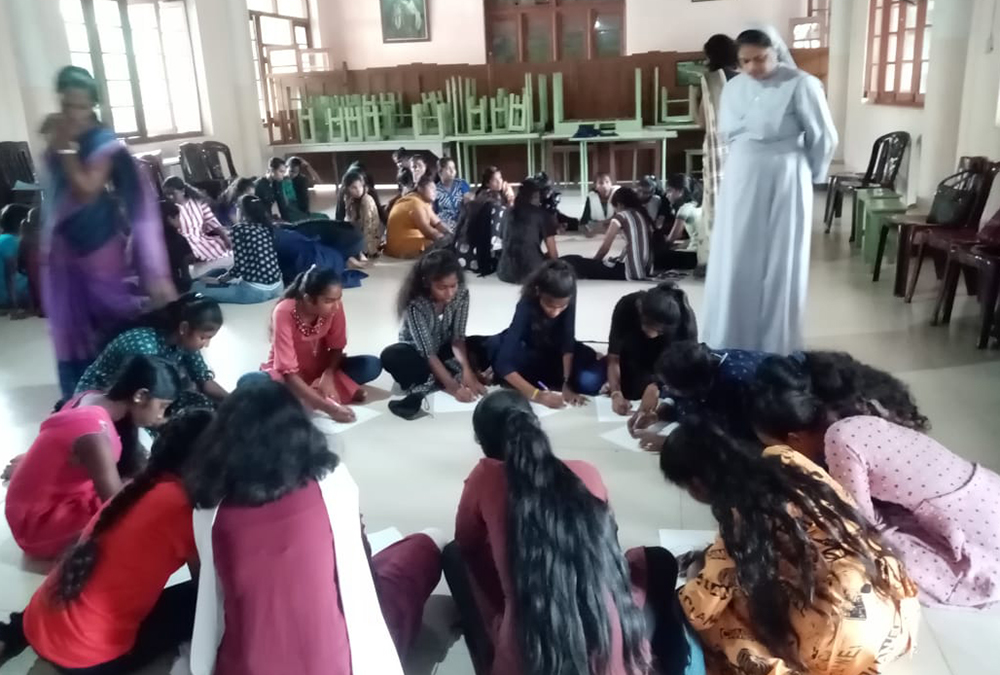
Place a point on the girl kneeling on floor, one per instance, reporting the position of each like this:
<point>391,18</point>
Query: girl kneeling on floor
<point>538,355</point>
<point>72,467</point>
<point>308,337</point>
<point>937,510</point>
<point>431,353</point>
<point>176,333</point>
<point>796,581</point>
<point>104,610</point>
<point>536,569</point>
<point>287,584</point>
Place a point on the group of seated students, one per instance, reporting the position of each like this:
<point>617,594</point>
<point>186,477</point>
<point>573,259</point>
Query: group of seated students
<point>20,285</point>
<point>837,513</point>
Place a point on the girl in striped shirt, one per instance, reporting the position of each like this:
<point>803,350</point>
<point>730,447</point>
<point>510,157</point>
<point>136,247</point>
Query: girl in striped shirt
<point>208,239</point>
<point>635,262</point>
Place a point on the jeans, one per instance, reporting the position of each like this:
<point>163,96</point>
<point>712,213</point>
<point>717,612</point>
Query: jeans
<point>236,293</point>
<point>591,268</point>
<point>361,369</point>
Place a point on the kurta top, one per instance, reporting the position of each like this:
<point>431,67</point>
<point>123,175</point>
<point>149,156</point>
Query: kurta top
<point>787,112</point>
<point>849,636</point>
<point>50,485</point>
<point>481,534</point>
<point>255,259</point>
<point>100,375</point>
<point>150,542</point>
<point>448,202</point>
<point>307,350</point>
<point>197,225</point>
<point>278,574</point>
<point>531,332</point>
<point>427,330</point>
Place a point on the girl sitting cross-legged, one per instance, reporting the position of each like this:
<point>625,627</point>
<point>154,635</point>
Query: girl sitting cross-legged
<point>538,355</point>
<point>431,352</point>
<point>796,581</point>
<point>541,583</point>
<point>635,262</point>
<point>308,338</point>
<point>104,610</point>
<point>72,467</point>
<point>176,333</point>
<point>209,240</point>
<point>287,582</point>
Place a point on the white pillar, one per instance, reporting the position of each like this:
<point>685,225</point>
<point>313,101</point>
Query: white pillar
<point>952,22</point>
<point>39,47</point>
<point>12,122</point>
<point>841,12</point>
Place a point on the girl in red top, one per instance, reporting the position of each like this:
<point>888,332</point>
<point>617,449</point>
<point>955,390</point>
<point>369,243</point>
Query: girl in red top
<point>539,571</point>
<point>72,467</point>
<point>104,610</point>
<point>308,337</point>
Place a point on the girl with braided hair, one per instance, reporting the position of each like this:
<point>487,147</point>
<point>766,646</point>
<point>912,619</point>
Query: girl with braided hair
<point>862,425</point>
<point>103,610</point>
<point>796,581</point>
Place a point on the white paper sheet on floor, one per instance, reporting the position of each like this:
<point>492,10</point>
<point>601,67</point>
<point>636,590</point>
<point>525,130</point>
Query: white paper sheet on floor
<point>605,414</point>
<point>328,426</point>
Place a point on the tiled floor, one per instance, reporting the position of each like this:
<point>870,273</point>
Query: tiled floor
<point>411,473</point>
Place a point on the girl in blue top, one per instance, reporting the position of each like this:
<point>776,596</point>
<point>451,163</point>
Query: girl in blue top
<point>538,355</point>
<point>13,285</point>
<point>451,193</point>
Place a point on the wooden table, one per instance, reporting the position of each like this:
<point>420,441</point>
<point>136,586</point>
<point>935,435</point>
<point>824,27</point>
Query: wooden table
<point>648,134</point>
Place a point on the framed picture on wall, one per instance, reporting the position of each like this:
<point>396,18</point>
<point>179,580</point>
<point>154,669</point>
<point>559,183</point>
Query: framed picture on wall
<point>404,21</point>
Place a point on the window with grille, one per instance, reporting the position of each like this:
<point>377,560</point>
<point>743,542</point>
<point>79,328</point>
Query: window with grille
<point>537,31</point>
<point>899,48</point>
<point>141,55</point>
<point>277,28</point>
<point>812,31</point>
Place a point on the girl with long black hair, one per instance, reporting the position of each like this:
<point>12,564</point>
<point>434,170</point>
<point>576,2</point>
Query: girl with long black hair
<point>553,587</point>
<point>287,584</point>
<point>911,488</point>
<point>177,333</point>
<point>209,240</point>
<point>796,581</point>
<point>676,244</point>
<point>73,465</point>
<point>635,262</point>
<point>538,355</point>
<point>527,229</point>
<point>103,610</point>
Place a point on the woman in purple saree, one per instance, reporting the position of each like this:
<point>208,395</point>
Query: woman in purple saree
<point>88,261</point>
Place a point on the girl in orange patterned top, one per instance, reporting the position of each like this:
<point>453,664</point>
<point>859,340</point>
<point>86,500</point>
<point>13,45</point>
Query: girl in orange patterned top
<point>796,581</point>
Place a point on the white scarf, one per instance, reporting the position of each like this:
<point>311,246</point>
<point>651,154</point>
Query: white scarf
<point>599,211</point>
<point>372,649</point>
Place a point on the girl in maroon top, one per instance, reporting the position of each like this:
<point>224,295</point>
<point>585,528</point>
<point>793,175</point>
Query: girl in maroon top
<point>283,581</point>
<point>553,590</point>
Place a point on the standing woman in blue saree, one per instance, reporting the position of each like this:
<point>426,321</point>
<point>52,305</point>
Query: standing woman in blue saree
<point>781,140</point>
<point>87,229</point>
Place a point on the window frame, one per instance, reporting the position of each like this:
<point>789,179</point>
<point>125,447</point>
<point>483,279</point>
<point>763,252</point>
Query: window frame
<point>141,134</point>
<point>875,91</point>
<point>555,11</point>
<point>261,55</point>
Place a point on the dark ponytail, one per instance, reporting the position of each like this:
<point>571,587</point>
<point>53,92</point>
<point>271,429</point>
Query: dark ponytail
<point>312,282</point>
<point>200,313</point>
<point>156,375</point>
<point>190,191</point>
<point>170,451</point>
<point>765,509</point>
<point>666,305</point>
<point>563,551</point>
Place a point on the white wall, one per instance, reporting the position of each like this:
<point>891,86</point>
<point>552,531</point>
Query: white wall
<point>682,25</point>
<point>33,48</point>
<point>352,31</point>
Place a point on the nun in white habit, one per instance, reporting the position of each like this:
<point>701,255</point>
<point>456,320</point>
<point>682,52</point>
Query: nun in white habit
<point>776,120</point>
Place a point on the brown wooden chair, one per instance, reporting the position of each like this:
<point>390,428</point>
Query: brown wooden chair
<point>986,265</point>
<point>970,176</point>
<point>883,168</point>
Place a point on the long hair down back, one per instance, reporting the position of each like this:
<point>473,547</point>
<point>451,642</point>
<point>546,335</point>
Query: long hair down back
<point>765,509</point>
<point>563,551</point>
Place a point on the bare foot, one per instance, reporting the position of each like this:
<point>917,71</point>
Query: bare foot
<point>355,264</point>
<point>360,396</point>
